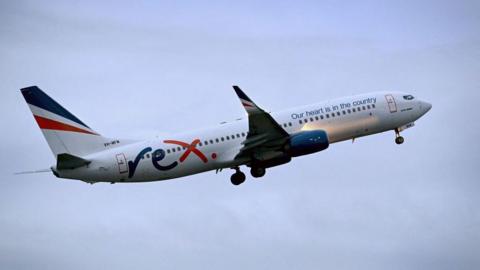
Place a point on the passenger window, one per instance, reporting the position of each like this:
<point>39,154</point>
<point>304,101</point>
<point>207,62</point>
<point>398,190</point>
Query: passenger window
<point>344,112</point>
<point>363,107</point>
<point>168,151</point>
<point>368,107</point>
<point>349,111</point>
<point>211,141</point>
<point>173,150</point>
<point>206,142</point>
<point>223,139</point>
<point>243,134</point>
<point>305,120</point>
<point>353,110</point>
<point>290,124</point>
<point>200,144</point>
<point>321,117</point>
<point>311,119</point>
<point>338,113</point>
<point>179,149</point>
<point>300,121</point>
<point>327,115</point>
<point>333,115</point>
<point>373,105</point>
<point>228,138</point>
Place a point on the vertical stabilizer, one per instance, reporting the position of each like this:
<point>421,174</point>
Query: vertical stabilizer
<point>64,132</point>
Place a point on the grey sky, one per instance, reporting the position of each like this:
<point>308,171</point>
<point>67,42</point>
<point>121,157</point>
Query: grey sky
<point>146,68</point>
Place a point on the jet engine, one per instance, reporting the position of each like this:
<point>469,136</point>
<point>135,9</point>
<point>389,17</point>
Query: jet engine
<point>307,142</point>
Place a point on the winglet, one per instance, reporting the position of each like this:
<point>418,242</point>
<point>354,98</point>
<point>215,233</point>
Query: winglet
<point>247,103</point>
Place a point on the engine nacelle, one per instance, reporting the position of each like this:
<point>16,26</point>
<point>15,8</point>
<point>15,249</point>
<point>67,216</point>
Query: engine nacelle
<point>308,142</point>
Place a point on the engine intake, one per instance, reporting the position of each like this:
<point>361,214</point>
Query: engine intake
<point>308,142</point>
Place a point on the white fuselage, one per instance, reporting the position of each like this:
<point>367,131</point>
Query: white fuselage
<point>177,156</point>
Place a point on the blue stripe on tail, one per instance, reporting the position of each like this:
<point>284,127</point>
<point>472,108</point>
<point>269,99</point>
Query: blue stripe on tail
<point>241,94</point>
<point>34,96</point>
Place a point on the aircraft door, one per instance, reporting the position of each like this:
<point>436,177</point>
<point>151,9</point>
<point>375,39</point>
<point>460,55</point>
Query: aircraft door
<point>391,103</point>
<point>122,163</point>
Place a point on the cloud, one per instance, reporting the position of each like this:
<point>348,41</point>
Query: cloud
<point>147,69</point>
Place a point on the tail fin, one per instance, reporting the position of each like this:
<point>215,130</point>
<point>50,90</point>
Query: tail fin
<point>64,132</point>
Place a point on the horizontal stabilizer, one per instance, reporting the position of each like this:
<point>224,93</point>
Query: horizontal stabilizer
<point>32,172</point>
<point>67,161</point>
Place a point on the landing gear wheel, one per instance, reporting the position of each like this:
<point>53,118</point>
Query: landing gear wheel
<point>237,178</point>
<point>399,140</point>
<point>257,172</point>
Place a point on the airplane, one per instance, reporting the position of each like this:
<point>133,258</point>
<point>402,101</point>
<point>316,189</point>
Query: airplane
<point>260,141</point>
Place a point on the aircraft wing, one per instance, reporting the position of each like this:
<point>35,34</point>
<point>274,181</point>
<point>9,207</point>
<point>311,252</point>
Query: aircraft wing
<point>266,138</point>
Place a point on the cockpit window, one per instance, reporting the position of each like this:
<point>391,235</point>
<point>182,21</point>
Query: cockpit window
<point>408,97</point>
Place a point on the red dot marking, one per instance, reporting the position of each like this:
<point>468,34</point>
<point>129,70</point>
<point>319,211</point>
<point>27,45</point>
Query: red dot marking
<point>214,156</point>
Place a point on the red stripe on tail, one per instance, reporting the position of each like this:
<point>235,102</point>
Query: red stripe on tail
<point>247,105</point>
<point>45,123</point>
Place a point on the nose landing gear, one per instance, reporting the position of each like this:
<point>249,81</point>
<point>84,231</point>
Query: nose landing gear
<point>398,139</point>
<point>238,177</point>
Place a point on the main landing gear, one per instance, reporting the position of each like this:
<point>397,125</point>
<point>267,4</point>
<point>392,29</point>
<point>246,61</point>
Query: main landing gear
<point>398,139</point>
<point>238,177</point>
<point>257,172</point>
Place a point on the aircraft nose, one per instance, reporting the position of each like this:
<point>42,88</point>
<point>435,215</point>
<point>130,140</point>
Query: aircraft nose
<point>425,107</point>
